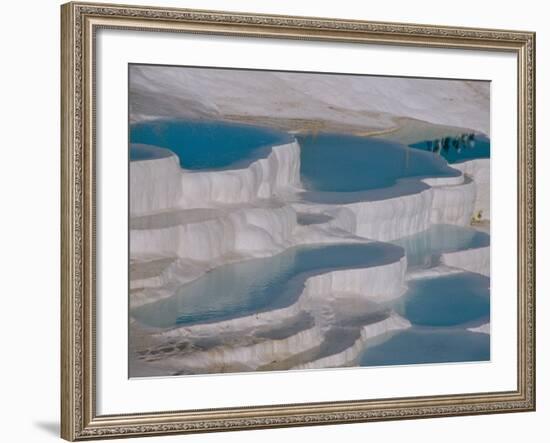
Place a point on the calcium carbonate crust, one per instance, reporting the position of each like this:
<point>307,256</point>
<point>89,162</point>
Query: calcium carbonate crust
<point>201,220</point>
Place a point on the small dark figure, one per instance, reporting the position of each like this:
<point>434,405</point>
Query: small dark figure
<point>446,143</point>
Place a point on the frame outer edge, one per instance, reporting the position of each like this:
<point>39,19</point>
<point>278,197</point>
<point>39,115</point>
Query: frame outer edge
<point>534,196</point>
<point>526,222</point>
<point>531,248</point>
<point>78,420</point>
<point>68,401</point>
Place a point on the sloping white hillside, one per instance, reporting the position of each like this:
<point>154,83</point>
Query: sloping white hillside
<point>372,103</point>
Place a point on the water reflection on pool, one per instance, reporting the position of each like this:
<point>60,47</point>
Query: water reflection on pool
<point>457,149</point>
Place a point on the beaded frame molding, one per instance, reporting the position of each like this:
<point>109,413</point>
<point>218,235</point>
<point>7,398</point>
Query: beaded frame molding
<point>80,21</point>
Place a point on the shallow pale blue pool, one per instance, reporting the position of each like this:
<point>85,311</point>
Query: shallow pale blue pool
<point>446,301</point>
<point>253,286</point>
<point>440,310</point>
<point>423,250</point>
<point>457,149</point>
<point>208,144</point>
<point>425,345</point>
<point>339,168</point>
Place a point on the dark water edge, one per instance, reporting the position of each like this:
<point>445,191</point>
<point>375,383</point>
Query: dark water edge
<point>457,149</point>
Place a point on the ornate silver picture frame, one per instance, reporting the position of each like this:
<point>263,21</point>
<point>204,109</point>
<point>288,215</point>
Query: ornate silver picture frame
<point>79,178</point>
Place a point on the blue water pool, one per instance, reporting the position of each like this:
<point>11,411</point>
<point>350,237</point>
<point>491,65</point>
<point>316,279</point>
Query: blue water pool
<point>245,288</point>
<point>206,144</point>
<point>446,301</point>
<point>345,163</point>
<point>441,308</point>
<point>458,149</point>
<point>341,168</point>
<point>424,249</point>
<point>425,345</point>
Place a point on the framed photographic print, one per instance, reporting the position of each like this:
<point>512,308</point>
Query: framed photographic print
<point>281,221</point>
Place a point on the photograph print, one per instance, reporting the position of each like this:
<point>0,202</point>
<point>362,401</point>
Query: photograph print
<point>301,220</point>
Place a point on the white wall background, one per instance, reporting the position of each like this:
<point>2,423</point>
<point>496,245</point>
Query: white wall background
<point>29,221</point>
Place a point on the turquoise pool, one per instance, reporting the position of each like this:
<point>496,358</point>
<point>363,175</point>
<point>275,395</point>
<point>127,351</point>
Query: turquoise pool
<point>208,144</point>
<point>449,300</point>
<point>440,310</point>
<point>339,168</point>
<point>428,345</point>
<point>249,287</point>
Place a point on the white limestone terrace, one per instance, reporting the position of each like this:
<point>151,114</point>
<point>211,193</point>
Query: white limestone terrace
<point>192,241</point>
<point>479,170</point>
<point>476,260</point>
<point>400,216</point>
<point>482,329</point>
<point>334,309</point>
<point>183,244</point>
<point>173,247</point>
<point>155,182</point>
<point>411,206</point>
<point>158,185</point>
<point>233,173</point>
